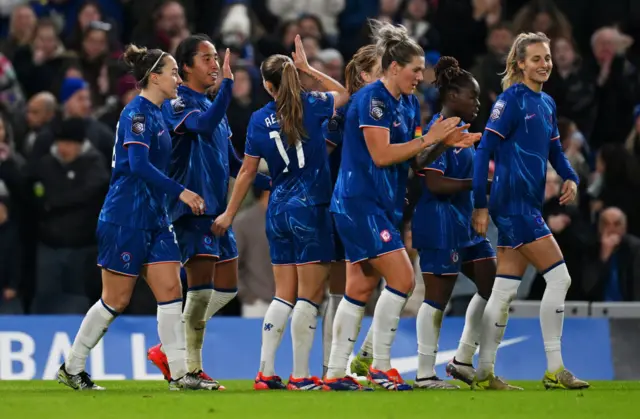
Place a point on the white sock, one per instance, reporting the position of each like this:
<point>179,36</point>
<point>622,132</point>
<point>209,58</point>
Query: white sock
<point>195,310</point>
<point>93,327</point>
<point>366,350</point>
<point>346,327</point>
<point>327,326</point>
<point>428,325</point>
<point>552,314</point>
<point>219,298</point>
<point>472,331</point>
<point>385,324</point>
<point>494,322</point>
<point>303,329</point>
<point>275,321</point>
<point>171,329</point>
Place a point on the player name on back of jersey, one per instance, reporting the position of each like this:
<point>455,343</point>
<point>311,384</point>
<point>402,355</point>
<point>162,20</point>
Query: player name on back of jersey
<point>271,120</point>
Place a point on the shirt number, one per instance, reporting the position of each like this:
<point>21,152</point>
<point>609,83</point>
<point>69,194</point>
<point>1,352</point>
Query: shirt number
<point>275,135</point>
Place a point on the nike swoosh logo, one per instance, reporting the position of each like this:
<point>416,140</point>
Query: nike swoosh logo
<point>396,124</point>
<point>559,311</point>
<point>312,328</point>
<point>500,325</point>
<point>410,363</point>
<point>393,330</point>
<point>351,340</point>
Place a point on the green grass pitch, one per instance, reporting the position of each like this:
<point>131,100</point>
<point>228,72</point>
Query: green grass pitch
<point>151,399</point>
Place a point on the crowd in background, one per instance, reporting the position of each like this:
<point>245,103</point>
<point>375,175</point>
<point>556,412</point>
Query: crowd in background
<point>62,87</point>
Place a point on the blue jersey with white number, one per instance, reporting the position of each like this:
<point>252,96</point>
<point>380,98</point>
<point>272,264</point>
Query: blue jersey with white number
<point>527,123</point>
<point>299,174</point>
<point>452,228</point>
<point>131,201</point>
<point>199,162</point>
<point>362,186</point>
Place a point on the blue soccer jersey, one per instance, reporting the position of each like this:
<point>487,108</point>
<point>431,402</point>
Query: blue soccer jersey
<point>453,212</point>
<point>333,131</point>
<point>299,174</point>
<point>526,123</point>
<point>199,159</point>
<point>361,185</point>
<point>131,201</point>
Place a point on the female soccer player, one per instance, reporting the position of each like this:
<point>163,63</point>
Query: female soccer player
<point>202,158</point>
<point>522,133</point>
<point>364,68</point>
<point>450,245</point>
<point>287,134</point>
<point>380,123</point>
<point>135,236</point>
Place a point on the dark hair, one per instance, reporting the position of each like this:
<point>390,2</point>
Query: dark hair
<point>393,43</point>
<point>187,50</point>
<point>564,126</point>
<point>450,77</point>
<point>621,167</point>
<point>280,71</point>
<point>143,62</point>
<point>363,60</point>
<point>46,22</point>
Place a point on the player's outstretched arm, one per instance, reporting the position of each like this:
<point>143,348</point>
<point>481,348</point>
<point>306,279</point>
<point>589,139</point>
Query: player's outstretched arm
<point>244,180</point>
<point>262,181</point>
<point>331,86</point>
<point>205,123</point>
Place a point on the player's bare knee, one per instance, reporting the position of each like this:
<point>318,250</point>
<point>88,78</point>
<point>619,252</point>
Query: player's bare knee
<point>118,300</point>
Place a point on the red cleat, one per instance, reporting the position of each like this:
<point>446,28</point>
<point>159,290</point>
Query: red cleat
<point>159,359</point>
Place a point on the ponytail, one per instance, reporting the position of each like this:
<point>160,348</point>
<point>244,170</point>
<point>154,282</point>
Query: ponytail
<point>289,104</point>
<point>364,60</point>
<point>512,73</point>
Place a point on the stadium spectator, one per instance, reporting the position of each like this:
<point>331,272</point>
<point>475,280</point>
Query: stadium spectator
<point>168,28</point>
<point>68,186</point>
<point>542,16</point>
<point>333,63</point>
<point>611,268</point>
<point>22,29</point>
<point>243,104</point>
<point>76,103</point>
<point>415,19</point>
<point>126,90</point>
<point>41,109</point>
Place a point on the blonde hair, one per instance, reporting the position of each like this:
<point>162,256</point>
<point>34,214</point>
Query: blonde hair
<point>512,73</point>
<point>363,61</point>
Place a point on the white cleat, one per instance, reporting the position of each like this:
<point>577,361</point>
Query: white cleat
<point>434,383</point>
<point>192,381</point>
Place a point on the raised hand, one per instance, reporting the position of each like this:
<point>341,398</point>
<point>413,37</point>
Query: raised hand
<point>300,56</point>
<point>226,67</point>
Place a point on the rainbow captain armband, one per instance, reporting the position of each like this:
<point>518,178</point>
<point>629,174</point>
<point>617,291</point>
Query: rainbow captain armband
<point>418,132</point>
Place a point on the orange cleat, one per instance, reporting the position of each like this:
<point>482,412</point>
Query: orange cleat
<point>159,359</point>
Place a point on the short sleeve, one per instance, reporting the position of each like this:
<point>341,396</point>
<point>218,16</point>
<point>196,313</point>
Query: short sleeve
<point>333,128</point>
<point>320,103</point>
<point>136,128</point>
<point>374,111</point>
<point>251,147</point>
<point>439,164</point>
<point>503,116</point>
<point>175,111</point>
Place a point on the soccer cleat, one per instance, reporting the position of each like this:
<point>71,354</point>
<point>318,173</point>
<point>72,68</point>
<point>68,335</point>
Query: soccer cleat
<point>360,365</point>
<point>460,371</point>
<point>159,359</point>
<point>389,380</point>
<point>268,383</point>
<point>433,383</point>
<point>191,381</point>
<point>563,379</point>
<point>347,383</point>
<point>205,377</point>
<point>492,383</point>
<point>80,381</point>
<point>306,384</point>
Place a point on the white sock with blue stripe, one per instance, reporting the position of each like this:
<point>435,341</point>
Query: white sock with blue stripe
<point>428,325</point>
<point>93,327</point>
<point>346,327</point>
<point>552,313</point>
<point>494,322</point>
<point>194,315</point>
<point>303,330</point>
<point>171,330</point>
<point>220,297</point>
<point>385,324</point>
<point>275,321</point>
